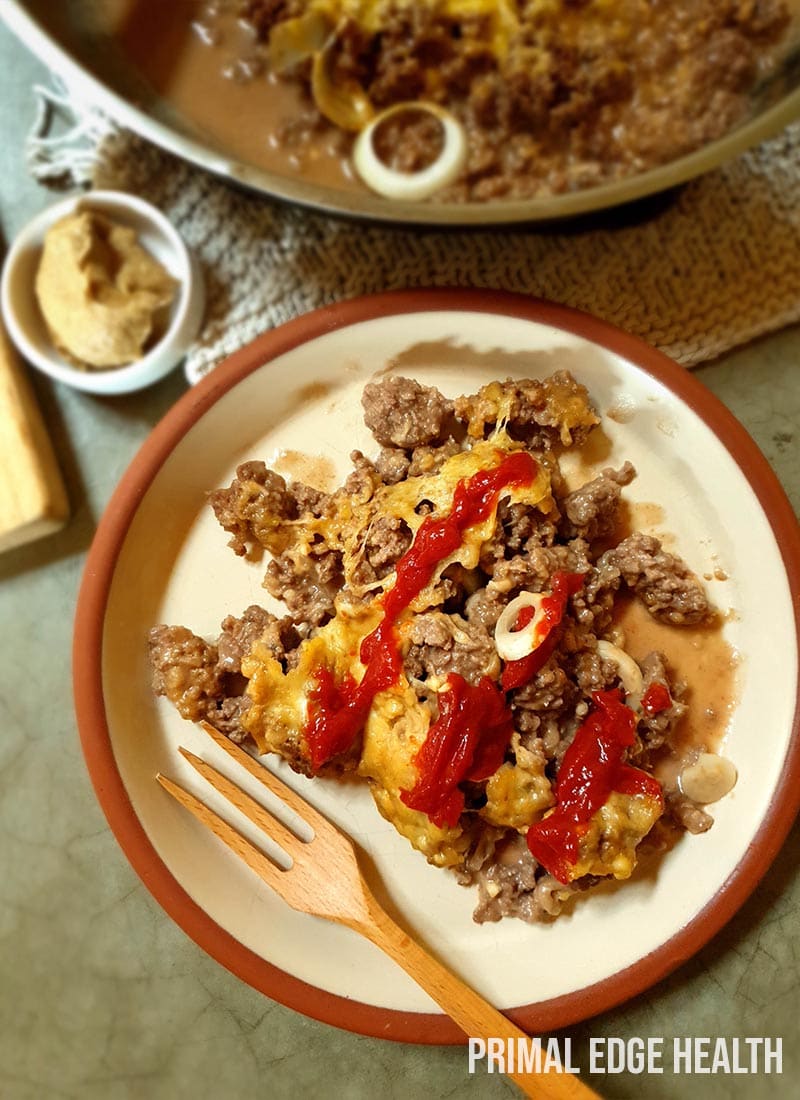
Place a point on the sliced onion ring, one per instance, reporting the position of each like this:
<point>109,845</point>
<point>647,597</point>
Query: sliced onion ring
<point>411,186</point>
<point>513,645</point>
<point>629,672</point>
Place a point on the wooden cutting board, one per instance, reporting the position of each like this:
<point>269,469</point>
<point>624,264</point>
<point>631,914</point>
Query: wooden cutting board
<point>33,500</point>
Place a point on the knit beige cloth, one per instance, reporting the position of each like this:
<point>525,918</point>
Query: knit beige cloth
<point>711,266</point>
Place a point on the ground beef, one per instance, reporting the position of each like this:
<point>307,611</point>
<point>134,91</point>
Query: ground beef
<point>308,500</point>
<point>521,532</point>
<point>439,644</point>
<point>185,670</point>
<point>592,673</point>
<point>236,640</point>
<point>542,412</point>
<point>549,690</point>
<point>551,730</point>
<point>507,887</point>
<point>593,605</point>
<point>655,729</point>
<point>238,634</point>
<point>361,484</point>
<point>533,569</point>
<point>511,883</point>
<point>203,679</point>
<point>409,140</point>
<point>429,460</point>
<point>253,506</point>
<point>402,413</point>
<point>662,581</point>
<point>263,14</point>
<point>591,512</point>
<point>388,538</point>
<point>392,465</point>
<point>687,814</point>
<point>255,501</point>
<point>226,716</point>
<point>485,606</point>
<point>307,585</point>
<point>522,526</point>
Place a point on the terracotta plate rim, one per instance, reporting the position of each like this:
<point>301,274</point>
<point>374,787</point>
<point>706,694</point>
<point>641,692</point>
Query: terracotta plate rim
<point>331,1008</point>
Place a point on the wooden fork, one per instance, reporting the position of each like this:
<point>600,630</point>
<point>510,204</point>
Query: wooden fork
<point>324,880</point>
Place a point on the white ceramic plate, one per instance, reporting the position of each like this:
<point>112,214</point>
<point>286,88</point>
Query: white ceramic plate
<point>160,556</point>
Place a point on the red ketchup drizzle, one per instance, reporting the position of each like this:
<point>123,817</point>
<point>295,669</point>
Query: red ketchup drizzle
<point>337,712</point>
<point>593,768</point>
<point>564,585</point>
<point>467,741</point>
<point>656,699</point>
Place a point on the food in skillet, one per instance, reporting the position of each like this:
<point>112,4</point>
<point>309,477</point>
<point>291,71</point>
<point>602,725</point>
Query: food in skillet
<point>451,639</point>
<point>466,100</point>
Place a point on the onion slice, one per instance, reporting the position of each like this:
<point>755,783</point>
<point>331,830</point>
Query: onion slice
<point>412,186</point>
<point>629,672</point>
<point>342,102</point>
<point>296,40</point>
<point>513,645</point>
<point>708,779</point>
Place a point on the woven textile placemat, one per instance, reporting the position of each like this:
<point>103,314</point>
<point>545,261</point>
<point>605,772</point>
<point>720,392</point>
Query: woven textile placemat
<point>713,265</point>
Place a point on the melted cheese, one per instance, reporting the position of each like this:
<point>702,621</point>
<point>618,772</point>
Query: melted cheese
<point>345,527</point>
<point>518,794</point>
<point>398,721</point>
<point>397,726</point>
<point>609,845</point>
<point>562,403</point>
<point>502,15</point>
<point>279,700</point>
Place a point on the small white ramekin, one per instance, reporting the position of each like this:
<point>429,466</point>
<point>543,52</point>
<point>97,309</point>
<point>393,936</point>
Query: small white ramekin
<point>27,327</point>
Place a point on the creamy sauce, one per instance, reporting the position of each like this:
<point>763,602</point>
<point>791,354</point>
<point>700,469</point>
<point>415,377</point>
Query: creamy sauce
<point>314,470</point>
<point>701,658</point>
<point>585,463</point>
<point>646,515</point>
<point>218,80</point>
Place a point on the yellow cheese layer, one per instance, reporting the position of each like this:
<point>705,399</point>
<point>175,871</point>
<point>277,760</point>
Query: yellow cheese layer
<point>398,721</point>
<point>609,846</point>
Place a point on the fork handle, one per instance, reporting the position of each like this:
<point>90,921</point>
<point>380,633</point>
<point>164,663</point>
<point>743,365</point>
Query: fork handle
<point>475,1016</point>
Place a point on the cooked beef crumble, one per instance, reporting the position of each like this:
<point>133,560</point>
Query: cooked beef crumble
<point>401,413</point>
<point>331,557</point>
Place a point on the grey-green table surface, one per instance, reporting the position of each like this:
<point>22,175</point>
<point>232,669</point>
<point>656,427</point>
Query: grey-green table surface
<point>102,997</point>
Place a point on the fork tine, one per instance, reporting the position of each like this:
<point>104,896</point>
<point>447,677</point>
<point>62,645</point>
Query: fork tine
<point>256,860</point>
<point>303,809</point>
<point>257,813</point>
